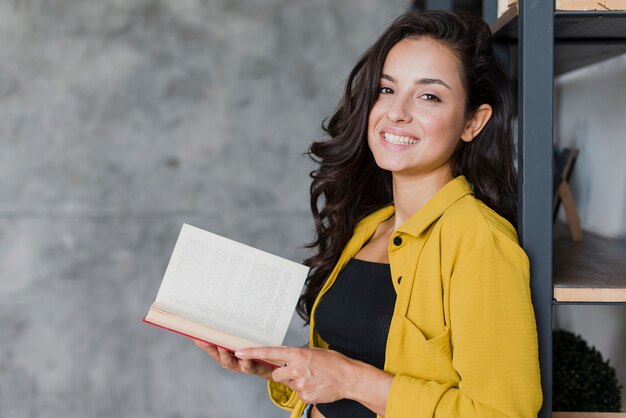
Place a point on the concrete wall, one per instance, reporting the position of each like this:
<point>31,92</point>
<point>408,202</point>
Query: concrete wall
<point>119,121</point>
<point>591,116</point>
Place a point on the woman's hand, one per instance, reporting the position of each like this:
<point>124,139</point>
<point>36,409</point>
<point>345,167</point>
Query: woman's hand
<point>318,375</point>
<point>230,362</point>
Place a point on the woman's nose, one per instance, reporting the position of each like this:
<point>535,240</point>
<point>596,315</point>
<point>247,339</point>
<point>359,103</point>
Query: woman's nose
<point>398,111</point>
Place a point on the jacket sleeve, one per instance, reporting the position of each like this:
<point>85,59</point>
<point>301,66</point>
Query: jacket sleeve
<point>282,396</point>
<point>493,337</point>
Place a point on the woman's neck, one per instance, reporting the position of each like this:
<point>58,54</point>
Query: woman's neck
<point>410,194</point>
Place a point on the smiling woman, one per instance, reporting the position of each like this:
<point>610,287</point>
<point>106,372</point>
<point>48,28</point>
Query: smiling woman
<point>418,298</point>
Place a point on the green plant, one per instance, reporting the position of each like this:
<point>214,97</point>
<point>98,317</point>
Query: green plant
<point>582,380</point>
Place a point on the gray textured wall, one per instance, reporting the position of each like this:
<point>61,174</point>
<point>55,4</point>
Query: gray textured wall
<point>119,121</point>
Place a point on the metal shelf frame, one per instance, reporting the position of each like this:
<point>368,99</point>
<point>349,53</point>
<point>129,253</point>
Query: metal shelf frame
<point>535,86</point>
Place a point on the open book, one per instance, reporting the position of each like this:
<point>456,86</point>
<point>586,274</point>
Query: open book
<point>226,293</point>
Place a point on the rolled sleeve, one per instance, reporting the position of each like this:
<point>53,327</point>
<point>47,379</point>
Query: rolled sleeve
<point>282,396</point>
<point>412,397</point>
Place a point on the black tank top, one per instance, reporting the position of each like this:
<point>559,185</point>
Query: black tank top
<point>353,317</point>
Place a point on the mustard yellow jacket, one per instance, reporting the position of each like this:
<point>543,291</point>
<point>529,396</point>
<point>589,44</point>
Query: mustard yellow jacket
<point>462,341</point>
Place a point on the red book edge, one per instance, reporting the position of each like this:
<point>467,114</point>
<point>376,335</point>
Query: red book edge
<point>208,342</point>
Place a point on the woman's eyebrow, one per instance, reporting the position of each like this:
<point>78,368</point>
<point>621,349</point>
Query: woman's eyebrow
<point>388,77</point>
<point>432,81</point>
<point>424,81</point>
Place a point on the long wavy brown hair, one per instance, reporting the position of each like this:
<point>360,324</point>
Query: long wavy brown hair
<point>348,185</point>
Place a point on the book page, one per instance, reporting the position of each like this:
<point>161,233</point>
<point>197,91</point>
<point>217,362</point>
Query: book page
<point>231,287</point>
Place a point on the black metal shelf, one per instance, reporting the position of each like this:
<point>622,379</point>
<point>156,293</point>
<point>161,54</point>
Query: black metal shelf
<point>537,43</point>
<point>581,38</point>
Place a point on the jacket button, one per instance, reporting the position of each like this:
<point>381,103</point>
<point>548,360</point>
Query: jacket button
<point>397,241</point>
<point>399,279</point>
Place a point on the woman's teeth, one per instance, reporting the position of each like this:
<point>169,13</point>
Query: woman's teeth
<point>399,140</point>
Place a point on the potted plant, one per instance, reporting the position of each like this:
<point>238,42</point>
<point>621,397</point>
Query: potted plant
<point>582,380</point>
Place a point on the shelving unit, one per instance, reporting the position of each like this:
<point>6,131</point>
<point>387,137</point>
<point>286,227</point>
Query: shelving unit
<point>590,271</point>
<point>541,42</point>
<point>581,38</point>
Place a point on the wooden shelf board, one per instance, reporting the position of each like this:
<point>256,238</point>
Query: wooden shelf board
<point>581,38</point>
<point>590,4</point>
<point>593,270</point>
<point>569,294</point>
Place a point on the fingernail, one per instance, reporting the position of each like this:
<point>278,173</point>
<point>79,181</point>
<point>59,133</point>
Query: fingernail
<point>239,354</point>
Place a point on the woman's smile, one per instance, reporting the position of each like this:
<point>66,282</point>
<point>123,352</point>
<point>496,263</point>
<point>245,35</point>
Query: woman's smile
<point>399,139</point>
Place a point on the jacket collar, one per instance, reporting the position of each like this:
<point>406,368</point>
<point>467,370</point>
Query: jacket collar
<point>436,206</point>
<point>454,190</point>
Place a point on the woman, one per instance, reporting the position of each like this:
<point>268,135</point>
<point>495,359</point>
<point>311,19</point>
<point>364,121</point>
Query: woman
<point>418,297</point>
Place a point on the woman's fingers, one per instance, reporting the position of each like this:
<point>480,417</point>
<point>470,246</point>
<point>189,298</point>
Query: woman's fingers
<point>285,354</point>
<point>284,374</point>
<point>211,350</point>
<point>219,354</point>
<point>247,366</point>
<point>227,360</point>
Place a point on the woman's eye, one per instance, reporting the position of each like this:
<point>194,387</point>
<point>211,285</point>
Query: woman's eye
<point>385,90</point>
<point>431,97</point>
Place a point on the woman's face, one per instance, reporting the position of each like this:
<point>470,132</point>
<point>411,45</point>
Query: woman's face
<point>419,118</point>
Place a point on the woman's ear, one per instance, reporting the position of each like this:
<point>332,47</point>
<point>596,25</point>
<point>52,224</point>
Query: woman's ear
<point>476,122</point>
